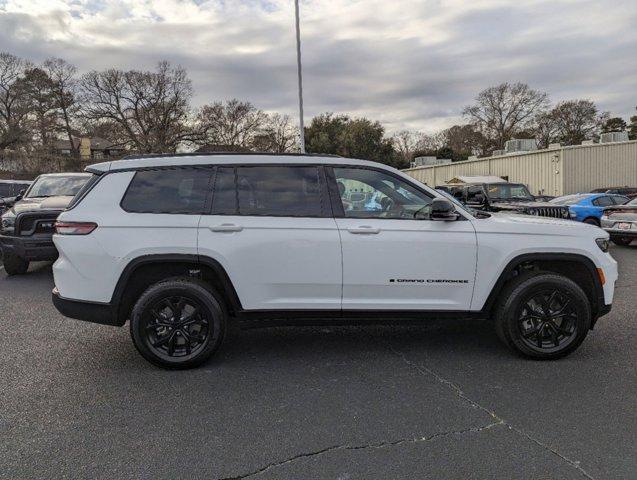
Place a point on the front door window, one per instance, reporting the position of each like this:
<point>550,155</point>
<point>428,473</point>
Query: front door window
<point>372,194</point>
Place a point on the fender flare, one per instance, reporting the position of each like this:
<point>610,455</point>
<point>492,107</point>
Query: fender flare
<point>597,303</point>
<point>228,288</point>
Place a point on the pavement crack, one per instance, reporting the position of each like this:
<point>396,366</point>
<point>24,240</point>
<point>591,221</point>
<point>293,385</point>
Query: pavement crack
<point>365,446</point>
<point>499,420</point>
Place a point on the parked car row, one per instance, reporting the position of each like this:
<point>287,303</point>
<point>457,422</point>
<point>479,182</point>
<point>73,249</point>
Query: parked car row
<point>27,227</point>
<point>503,197</point>
<point>596,208</point>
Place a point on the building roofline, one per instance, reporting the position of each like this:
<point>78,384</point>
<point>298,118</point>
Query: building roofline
<point>517,154</point>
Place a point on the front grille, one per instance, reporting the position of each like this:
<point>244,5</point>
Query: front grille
<point>36,222</point>
<point>554,212</point>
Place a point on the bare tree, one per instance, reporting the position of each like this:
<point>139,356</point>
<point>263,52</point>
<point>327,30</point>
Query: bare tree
<point>503,110</point>
<point>406,142</point>
<point>233,124</point>
<point>14,104</point>
<point>464,141</point>
<point>578,120</point>
<point>65,90</point>
<point>150,109</point>
<point>545,129</point>
<point>279,135</point>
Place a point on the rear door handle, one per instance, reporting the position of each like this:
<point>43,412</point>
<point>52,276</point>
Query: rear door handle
<point>364,230</point>
<point>226,227</point>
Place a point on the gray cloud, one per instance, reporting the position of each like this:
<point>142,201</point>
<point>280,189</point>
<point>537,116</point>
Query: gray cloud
<point>407,63</point>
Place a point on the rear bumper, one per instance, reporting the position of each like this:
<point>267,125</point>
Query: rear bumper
<point>33,248</point>
<point>102,313</point>
<point>632,233</point>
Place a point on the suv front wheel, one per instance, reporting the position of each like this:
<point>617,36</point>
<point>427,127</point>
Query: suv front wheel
<point>178,323</point>
<point>543,315</point>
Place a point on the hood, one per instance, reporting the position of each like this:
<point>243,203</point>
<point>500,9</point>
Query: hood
<point>45,203</point>
<point>530,224</point>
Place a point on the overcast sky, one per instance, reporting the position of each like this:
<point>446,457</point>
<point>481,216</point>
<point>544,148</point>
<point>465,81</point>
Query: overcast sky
<point>408,63</point>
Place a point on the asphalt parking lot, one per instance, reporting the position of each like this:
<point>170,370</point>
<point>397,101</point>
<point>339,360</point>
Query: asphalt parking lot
<point>442,400</point>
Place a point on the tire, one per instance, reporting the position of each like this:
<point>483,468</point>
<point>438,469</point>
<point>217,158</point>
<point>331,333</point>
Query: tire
<point>170,343</point>
<point>592,221</point>
<point>623,241</point>
<point>15,265</point>
<point>526,325</point>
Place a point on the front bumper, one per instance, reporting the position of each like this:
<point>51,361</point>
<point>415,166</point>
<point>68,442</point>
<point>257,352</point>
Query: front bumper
<point>102,313</point>
<point>37,247</point>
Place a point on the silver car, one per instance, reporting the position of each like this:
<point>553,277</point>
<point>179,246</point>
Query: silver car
<point>621,222</point>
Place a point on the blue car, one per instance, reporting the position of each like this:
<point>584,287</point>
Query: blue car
<point>588,207</point>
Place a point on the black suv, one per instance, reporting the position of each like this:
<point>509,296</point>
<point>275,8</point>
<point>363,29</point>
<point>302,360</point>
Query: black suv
<point>503,197</point>
<point>26,229</point>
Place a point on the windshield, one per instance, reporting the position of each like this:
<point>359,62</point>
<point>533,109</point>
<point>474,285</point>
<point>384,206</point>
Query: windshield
<point>53,186</point>
<point>569,199</point>
<point>508,191</point>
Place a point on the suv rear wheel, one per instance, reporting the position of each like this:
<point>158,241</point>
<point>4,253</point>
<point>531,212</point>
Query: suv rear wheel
<point>543,315</point>
<point>178,323</point>
<point>15,265</point>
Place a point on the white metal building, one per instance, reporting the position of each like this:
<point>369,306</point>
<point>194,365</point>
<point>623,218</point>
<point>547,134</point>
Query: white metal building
<point>554,171</point>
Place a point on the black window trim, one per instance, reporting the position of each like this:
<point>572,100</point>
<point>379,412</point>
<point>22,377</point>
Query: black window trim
<point>208,168</point>
<point>323,195</point>
<point>335,197</point>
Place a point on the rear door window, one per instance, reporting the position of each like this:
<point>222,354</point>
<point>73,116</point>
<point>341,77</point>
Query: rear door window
<point>603,202</point>
<point>168,190</point>
<point>280,191</point>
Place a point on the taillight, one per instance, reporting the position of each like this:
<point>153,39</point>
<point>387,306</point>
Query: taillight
<point>74,228</point>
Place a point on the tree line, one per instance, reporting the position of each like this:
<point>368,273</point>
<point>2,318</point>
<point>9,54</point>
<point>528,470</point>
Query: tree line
<point>151,112</point>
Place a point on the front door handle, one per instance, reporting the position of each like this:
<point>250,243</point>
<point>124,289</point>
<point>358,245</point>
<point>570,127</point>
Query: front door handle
<point>226,227</point>
<point>364,230</point>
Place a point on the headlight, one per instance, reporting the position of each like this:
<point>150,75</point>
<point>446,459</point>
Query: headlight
<point>7,224</point>
<point>572,214</point>
<point>602,243</point>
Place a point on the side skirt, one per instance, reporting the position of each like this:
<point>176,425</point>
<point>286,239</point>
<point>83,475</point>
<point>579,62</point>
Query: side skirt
<point>248,319</point>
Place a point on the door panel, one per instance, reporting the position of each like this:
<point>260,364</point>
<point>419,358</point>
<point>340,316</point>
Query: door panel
<point>270,230</point>
<point>277,263</point>
<point>408,264</point>
<point>394,257</point>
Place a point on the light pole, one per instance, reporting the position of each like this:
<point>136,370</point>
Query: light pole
<point>298,67</point>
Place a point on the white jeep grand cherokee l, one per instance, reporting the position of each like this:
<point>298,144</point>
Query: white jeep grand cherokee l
<point>182,245</point>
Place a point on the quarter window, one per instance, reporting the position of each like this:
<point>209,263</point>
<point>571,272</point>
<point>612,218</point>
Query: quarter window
<point>168,190</point>
<point>373,194</point>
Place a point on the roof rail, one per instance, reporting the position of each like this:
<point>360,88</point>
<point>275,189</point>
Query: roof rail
<point>203,154</point>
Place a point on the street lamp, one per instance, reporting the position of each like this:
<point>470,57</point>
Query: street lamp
<point>300,75</point>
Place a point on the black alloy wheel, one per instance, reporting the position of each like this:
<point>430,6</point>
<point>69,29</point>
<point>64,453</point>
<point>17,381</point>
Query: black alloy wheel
<point>543,315</point>
<point>178,323</point>
<point>176,326</point>
<point>547,320</point>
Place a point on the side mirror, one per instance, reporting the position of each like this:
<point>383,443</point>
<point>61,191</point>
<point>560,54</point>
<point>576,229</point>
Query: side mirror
<point>443,210</point>
<point>20,195</point>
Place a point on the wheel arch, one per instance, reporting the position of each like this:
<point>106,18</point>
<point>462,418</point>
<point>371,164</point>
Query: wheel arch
<point>143,271</point>
<point>577,267</point>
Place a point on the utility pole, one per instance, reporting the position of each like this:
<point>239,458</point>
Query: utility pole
<point>300,74</point>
